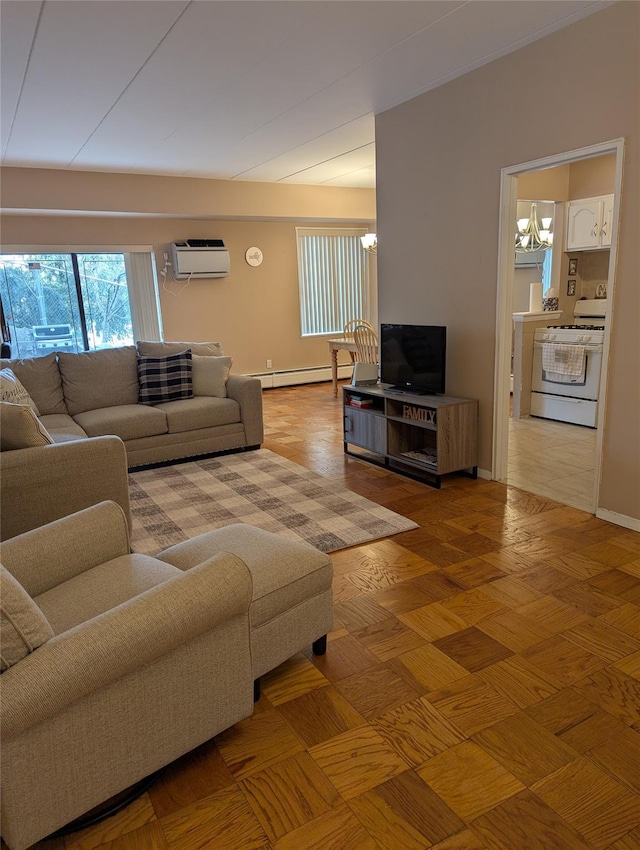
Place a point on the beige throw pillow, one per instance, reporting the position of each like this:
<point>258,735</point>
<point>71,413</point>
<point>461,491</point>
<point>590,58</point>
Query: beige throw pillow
<point>23,626</point>
<point>12,390</point>
<point>210,375</point>
<point>20,428</point>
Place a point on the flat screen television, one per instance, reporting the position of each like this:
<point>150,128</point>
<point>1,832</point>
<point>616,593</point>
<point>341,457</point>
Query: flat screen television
<point>413,357</point>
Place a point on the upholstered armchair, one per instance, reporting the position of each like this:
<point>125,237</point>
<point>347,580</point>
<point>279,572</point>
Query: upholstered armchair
<point>113,666</point>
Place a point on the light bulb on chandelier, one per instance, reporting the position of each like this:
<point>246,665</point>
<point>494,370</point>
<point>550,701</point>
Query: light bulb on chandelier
<point>534,234</point>
<point>370,243</point>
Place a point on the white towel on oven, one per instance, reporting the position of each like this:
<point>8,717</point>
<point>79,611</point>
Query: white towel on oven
<point>563,364</point>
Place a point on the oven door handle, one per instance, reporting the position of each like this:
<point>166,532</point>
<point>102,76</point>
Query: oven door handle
<point>596,347</point>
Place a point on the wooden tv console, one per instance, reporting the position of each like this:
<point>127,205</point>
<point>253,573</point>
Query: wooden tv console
<point>421,436</point>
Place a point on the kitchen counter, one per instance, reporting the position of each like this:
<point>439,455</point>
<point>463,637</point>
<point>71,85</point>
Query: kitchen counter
<point>524,326</point>
<point>543,316</point>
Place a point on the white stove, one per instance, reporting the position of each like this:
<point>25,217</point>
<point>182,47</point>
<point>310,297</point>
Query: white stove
<point>584,334</point>
<point>571,393</point>
<point>590,311</point>
<point>589,319</point>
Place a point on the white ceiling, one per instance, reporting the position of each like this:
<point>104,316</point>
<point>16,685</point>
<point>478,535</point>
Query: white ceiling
<point>241,89</point>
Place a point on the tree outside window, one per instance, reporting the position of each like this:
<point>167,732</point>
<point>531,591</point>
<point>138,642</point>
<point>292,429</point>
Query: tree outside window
<point>75,302</point>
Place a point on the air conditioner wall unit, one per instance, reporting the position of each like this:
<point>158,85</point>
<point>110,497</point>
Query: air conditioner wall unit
<point>195,259</point>
<point>528,260</point>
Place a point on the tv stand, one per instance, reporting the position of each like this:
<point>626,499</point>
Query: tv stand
<point>420,436</point>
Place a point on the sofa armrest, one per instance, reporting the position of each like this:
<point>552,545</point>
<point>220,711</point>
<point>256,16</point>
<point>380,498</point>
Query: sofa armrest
<point>90,656</point>
<point>247,391</point>
<point>45,483</point>
<point>46,557</point>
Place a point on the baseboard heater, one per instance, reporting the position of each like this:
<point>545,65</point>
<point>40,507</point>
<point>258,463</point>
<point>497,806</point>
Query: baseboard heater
<point>290,377</point>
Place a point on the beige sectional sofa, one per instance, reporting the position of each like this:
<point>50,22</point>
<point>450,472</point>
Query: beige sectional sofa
<point>86,399</point>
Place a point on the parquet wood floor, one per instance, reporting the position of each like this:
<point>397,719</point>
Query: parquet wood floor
<point>481,688</point>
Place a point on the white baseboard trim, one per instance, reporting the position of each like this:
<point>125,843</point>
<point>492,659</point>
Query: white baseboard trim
<point>291,377</point>
<point>484,473</point>
<point>618,519</point>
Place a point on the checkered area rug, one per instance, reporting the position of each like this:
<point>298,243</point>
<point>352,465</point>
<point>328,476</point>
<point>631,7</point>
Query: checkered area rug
<point>174,503</point>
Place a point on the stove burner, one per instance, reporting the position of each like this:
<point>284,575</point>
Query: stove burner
<point>577,327</point>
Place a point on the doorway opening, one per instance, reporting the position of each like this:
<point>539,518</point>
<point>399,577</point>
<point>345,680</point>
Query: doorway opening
<point>544,431</point>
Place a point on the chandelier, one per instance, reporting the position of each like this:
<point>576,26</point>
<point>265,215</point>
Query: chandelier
<point>534,234</point>
<point>370,243</point>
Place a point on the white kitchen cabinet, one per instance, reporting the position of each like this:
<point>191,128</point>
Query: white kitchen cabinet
<point>607,221</point>
<point>589,223</point>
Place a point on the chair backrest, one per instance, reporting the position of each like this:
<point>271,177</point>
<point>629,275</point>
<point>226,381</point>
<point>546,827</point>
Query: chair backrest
<point>352,324</point>
<point>367,344</point>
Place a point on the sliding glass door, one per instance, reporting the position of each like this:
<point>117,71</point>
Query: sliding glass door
<point>65,302</point>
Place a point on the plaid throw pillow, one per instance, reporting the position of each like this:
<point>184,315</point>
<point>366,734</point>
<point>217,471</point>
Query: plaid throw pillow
<point>165,378</point>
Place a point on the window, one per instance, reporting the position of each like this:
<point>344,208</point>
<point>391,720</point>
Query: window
<point>332,278</point>
<point>546,269</point>
<point>71,302</point>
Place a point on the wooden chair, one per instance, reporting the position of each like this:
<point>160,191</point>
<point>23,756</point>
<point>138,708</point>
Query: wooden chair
<point>349,332</point>
<point>352,324</point>
<point>366,342</point>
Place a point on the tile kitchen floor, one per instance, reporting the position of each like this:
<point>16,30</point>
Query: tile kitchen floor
<point>553,459</point>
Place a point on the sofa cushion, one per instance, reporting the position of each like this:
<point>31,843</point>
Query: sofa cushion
<point>40,376</point>
<point>210,375</point>
<point>62,428</point>
<point>102,588</point>
<point>20,428</point>
<point>94,379</point>
<point>127,421</point>
<point>12,390</point>
<point>162,349</point>
<point>23,626</point>
<point>165,378</point>
<point>203,412</point>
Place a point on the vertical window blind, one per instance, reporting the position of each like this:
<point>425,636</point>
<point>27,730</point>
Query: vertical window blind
<point>143,296</point>
<point>332,279</point>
